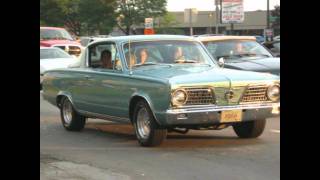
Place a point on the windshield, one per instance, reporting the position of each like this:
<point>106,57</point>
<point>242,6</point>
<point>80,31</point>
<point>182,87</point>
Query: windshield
<point>46,34</point>
<point>237,50</point>
<point>165,52</point>
<point>53,54</point>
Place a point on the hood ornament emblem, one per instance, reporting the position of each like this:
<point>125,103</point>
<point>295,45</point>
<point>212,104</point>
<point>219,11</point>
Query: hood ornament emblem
<point>229,95</point>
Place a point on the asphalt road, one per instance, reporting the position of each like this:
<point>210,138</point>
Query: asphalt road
<point>104,150</point>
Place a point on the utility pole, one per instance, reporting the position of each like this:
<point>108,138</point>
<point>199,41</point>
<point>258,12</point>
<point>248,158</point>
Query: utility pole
<point>217,16</point>
<point>231,33</point>
<point>190,19</point>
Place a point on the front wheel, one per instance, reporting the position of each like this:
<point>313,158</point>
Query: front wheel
<point>71,120</point>
<point>147,130</point>
<point>250,129</point>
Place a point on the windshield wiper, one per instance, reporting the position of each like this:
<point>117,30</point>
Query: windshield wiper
<point>145,64</point>
<point>251,54</point>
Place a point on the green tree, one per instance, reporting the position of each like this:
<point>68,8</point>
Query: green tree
<point>61,13</point>
<point>79,15</point>
<point>133,12</point>
<point>98,15</point>
<point>70,10</point>
<point>51,13</point>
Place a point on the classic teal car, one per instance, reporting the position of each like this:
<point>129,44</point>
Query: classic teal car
<point>161,83</point>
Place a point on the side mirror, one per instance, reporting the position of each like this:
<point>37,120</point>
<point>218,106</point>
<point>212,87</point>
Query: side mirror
<point>221,62</point>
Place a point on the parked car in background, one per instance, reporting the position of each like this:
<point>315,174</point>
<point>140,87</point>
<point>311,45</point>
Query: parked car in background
<point>86,40</point>
<point>161,83</point>
<point>241,52</point>
<point>52,58</point>
<point>276,38</point>
<point>274,47</point>
<point>260,39</point>
<point>208,35</point>
<point>59,37</point>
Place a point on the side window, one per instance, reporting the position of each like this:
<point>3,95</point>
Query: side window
<point>104,56</point>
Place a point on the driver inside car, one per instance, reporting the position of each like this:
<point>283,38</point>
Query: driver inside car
<point>178,55</point>
<point>143,56</point>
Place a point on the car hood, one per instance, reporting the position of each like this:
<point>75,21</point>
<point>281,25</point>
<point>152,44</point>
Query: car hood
<point>182,74</point>
<point>259,65</point>
<point>49,43</point>
<point>49,64</point>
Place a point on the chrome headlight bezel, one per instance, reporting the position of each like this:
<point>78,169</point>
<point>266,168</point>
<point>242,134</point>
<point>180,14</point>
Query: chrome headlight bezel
<point>273,92</point>
<point>179,101</point>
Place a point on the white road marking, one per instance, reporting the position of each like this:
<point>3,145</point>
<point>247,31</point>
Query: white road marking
<point>275,131</point>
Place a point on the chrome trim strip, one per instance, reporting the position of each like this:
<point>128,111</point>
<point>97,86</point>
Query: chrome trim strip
<point>215,108</point>
<point>105,117</point>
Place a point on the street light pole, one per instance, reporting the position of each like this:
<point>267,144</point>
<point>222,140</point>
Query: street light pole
<point>190,20</point>
<point>268,15</point>
<point>217,17</point>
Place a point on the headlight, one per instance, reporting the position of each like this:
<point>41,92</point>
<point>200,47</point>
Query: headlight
<point>273,93</point>
<point>179,97</point>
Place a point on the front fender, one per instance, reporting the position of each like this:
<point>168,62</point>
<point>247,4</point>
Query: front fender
<point>153,100</point>
<point>64,94</point>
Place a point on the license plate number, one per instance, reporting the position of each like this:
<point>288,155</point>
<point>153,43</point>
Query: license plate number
<point>231,116</point>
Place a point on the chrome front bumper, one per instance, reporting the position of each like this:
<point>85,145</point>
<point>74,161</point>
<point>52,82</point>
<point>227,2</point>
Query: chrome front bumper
<point>212,114</point>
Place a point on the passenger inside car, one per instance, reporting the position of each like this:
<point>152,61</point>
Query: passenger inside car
<point>106,59</point>
<point>239,48</point>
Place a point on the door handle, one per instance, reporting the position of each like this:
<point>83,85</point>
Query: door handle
<point>87,77</point>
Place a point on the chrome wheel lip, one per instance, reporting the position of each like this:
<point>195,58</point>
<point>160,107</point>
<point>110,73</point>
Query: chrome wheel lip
<point>67,112</point>
<point>143,123</point>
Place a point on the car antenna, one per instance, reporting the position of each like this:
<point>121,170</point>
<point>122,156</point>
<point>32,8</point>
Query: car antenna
<point>130,65</point>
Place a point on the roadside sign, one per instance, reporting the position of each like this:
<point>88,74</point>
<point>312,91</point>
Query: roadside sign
<point>268,34</point>
<point>148,31</point>
<point>148,23</point>
<point>148,26</point>
<point>232,11</point>
<point>272,18</point>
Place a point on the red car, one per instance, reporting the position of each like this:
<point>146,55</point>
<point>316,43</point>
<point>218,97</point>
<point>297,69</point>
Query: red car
<point>59,37</point>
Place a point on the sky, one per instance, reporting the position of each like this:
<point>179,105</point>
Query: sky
<point>208,5</point>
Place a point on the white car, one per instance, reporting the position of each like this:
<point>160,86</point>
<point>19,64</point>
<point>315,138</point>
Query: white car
<point>54,58</point>
<point>276,38</point>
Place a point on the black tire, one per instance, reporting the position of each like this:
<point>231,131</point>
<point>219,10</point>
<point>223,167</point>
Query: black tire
<point>250,129</point>
<point>76,122</point>
<point>157,134</point>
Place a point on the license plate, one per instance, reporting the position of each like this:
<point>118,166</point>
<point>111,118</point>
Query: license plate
<point>231,116</point>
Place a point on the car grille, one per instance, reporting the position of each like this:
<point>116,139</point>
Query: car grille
<point>257,93</point>
<point>72,50</point>
<point>200,96</point>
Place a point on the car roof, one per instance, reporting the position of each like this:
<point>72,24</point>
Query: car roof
<point>146,38</point>
<point>51,28</point>
<point>222,38</point>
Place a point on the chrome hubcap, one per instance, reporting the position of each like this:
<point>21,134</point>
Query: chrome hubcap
<point>143,123</point>
<point>67,112</point>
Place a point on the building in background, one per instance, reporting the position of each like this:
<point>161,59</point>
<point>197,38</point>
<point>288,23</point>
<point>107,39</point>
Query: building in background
<point>254,24</point>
